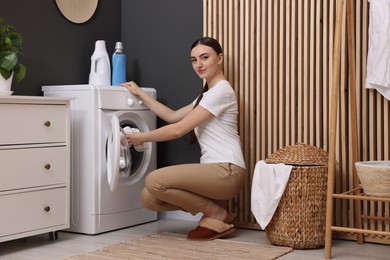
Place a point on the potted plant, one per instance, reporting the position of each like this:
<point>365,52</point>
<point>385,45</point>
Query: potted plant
<point>10,48</point>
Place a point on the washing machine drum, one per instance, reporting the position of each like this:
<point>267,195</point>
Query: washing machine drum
<point>118,153</point>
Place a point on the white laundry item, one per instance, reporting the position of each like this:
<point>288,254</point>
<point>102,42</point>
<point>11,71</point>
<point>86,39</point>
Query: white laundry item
<point>378,58</point>
<point>131,130</point>
<point>268,185</point>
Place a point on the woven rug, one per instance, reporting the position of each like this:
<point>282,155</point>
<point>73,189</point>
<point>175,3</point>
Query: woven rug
<point>177,246</point>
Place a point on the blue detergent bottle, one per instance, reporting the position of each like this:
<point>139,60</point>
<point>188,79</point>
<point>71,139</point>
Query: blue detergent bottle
<point>118,65</point>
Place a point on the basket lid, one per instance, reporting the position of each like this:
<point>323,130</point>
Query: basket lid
<point>299,154</point>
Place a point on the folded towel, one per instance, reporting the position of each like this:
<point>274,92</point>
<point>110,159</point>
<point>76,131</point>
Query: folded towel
<point>131,130</point>
<point>268,185</point>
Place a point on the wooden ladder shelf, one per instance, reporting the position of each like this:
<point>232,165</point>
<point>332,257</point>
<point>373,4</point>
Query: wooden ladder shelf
<point>356,194</point>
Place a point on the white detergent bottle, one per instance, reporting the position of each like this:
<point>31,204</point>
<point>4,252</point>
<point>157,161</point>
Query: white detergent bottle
<point>100,74</point>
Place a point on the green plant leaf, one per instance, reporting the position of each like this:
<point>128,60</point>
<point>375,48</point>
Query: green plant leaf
<point>5,73</point>
<point>17,40</point>
<point>8,60</point>
<point>20,72</point>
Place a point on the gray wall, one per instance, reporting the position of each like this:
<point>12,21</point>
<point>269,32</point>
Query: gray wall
<point>57,51</point>
<point>157,36</point>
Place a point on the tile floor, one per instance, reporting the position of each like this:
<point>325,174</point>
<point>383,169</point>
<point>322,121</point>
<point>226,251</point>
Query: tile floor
<point>69,244</point>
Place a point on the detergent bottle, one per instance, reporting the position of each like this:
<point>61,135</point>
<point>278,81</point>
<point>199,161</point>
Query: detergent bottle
<point>100,74</point>
<point>118,65</point>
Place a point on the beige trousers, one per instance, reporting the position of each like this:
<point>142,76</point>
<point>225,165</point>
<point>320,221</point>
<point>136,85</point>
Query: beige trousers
<point>190,187</point>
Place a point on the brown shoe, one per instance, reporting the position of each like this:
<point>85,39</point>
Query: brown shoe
<point>210,229</point>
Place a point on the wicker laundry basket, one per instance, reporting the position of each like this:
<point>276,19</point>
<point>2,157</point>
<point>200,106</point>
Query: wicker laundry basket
<point>299,220</point>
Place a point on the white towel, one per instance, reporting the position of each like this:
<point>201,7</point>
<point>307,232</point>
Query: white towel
<point>268,185</point>
<point>131,130</point>
<point>378,58</point>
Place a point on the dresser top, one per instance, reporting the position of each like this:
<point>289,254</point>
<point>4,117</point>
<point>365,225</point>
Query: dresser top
<point>33,100</point>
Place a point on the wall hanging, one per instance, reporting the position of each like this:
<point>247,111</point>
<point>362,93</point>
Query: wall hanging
<point>77,11</point>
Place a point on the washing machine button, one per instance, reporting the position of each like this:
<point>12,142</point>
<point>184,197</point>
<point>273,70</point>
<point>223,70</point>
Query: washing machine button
<point>130,102</point>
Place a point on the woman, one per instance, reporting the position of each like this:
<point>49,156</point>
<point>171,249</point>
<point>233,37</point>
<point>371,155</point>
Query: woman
<point>206,186</point>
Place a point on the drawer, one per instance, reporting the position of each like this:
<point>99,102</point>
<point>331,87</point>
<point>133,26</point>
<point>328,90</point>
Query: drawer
<point>23,212</point>
<point>28,123</point>
<point>32,167</point>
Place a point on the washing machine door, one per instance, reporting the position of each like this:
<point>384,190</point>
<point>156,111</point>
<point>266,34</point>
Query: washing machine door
<point>118,155</point>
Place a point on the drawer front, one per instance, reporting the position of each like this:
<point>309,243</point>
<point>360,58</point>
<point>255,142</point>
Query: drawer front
<point>26,124</point>
<point>33,167</point>
<point>23,212</point>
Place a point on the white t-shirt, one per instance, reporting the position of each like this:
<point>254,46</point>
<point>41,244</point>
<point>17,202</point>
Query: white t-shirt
<point>218,138</point>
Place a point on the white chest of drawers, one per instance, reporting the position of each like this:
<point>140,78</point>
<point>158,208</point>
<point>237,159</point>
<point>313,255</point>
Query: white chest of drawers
<point>34,166</point>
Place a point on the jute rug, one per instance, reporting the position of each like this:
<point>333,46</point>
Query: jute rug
<point>177,246</point>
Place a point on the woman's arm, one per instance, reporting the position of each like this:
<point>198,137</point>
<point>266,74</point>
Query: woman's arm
<point>162,111</point>
<point>176,130</point>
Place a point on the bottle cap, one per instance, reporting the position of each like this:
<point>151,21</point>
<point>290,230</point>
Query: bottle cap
<point>100,45</point>
<point>119,46</point>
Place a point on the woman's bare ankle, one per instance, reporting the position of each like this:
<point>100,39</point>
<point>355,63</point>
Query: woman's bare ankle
<point>214,211</point>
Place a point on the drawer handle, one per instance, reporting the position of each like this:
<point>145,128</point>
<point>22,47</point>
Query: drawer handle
<point>47,166</point>
<point>47,208</point>
<point>47,123</point>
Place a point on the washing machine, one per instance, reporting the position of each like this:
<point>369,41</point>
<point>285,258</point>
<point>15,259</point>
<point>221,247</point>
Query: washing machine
<point>107,176</point>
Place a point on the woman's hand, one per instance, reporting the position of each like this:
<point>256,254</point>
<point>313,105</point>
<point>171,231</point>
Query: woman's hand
<point>134,139</point>
<point>132,87</point>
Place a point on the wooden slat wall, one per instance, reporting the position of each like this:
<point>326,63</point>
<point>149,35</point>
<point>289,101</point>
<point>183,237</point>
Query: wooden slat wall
<point>278,57</point>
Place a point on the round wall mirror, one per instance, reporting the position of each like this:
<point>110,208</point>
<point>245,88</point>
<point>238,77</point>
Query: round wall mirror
<point>77,11</point>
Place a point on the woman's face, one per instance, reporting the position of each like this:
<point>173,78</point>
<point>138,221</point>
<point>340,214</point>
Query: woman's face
<point>205,61</point>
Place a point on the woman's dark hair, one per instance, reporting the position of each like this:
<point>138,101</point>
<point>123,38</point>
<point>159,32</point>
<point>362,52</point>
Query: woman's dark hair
<point>208,41</point>
<point>213,43</point>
